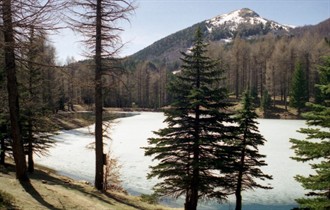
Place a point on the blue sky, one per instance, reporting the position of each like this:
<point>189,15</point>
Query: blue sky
<point>155,19</point>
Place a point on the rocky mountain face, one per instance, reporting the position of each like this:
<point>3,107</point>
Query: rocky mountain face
<point>244,23</point>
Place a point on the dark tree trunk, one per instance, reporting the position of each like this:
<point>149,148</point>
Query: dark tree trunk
<point>98,102</point>
<point>237,76</point>
<point>2,151</point>
<point>240,172</point>
<point>307,75</point>
<point>239,183</point>
<point>192,204</point>
<point>31,55</point>
<point>30,148</point>
<point>195,178</point>
<point>238,198</point>
<point>10,66</point>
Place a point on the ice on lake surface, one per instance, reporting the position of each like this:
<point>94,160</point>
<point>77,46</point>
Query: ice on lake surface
<point>72,158</point>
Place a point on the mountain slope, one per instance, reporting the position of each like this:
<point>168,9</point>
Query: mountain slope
<point>320,29</point>
<point>244,23</point>
<point>234,19</point>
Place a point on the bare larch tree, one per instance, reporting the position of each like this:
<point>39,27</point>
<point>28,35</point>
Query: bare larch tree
<point>17,18</point>
<point>97,21</point>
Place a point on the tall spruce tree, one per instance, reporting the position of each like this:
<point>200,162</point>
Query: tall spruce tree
<point>298,96</point>
<point>316,146</point>
<point>187,149</point>
<point>247,159</point>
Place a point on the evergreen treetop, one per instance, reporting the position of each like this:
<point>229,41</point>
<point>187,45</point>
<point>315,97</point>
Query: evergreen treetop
<point>245,168</point>
<point>316,147</point>
<point>298,95</point>
<point>187,149</point>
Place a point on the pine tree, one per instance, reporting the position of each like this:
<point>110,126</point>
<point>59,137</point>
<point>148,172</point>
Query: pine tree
<point>188,148</point>
<point>248,159</point>
<point>316,146</point>
<point>35,126</point>
<point>298,96</point>
<point>265,103</point>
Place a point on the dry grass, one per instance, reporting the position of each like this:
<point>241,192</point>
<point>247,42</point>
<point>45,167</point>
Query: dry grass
<point>47,190</point>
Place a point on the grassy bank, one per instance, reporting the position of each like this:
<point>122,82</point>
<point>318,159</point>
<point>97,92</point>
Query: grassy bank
<point>72,120</point>
<point>47,190</point>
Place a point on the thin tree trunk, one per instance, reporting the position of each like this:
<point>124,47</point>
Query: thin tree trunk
<point>195,174</point>
<point>307,75</point>
<point>285,89</point>
<point>31,55</point>
<point>195,178</point>
<point>240,172</point>
<point>239,182</point>
<point>274,86</point>
<point>238,198</point>
<point>188,197</point>
<point>99,170</point>
<point>30,148</point>
<point>237,77</point>
<point>10,66</point>
<point>2,151</point>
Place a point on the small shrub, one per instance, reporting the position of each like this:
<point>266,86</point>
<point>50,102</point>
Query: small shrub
<point>151,199</point>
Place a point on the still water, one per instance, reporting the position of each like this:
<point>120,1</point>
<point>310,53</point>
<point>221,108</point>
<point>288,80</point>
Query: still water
<point>72,158</point>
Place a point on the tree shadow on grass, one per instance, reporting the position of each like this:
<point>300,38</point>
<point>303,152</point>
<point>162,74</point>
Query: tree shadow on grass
<point>36,195</point>
<point>49,179</point>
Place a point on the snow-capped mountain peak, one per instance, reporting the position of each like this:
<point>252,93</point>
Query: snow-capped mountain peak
<point>236,18</point>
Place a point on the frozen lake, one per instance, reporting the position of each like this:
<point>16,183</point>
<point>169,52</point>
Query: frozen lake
<point>71,157</point>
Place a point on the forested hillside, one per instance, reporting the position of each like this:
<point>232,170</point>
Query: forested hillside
<point>263,63</point>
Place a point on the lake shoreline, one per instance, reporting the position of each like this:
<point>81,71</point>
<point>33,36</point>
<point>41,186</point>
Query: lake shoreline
<point>84,116</point>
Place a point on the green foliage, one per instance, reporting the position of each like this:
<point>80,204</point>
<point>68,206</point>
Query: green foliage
<point>248,142</point>
<point>188,148</point>
<point>316,147</point>
<point>151,199</point>
<point>245,168</point>
<point>324,84</point>
<point>254,95</point>
<point>298,94</point>
<point>266,100</point>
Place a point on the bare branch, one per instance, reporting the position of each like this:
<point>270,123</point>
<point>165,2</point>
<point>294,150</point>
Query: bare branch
<point>82,18</point>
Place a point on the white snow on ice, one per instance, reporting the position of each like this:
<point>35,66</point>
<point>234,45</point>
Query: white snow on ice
<point>71,157</point>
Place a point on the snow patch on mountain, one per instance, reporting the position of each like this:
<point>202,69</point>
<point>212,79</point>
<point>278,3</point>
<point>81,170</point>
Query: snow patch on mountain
<point>234,19</point>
